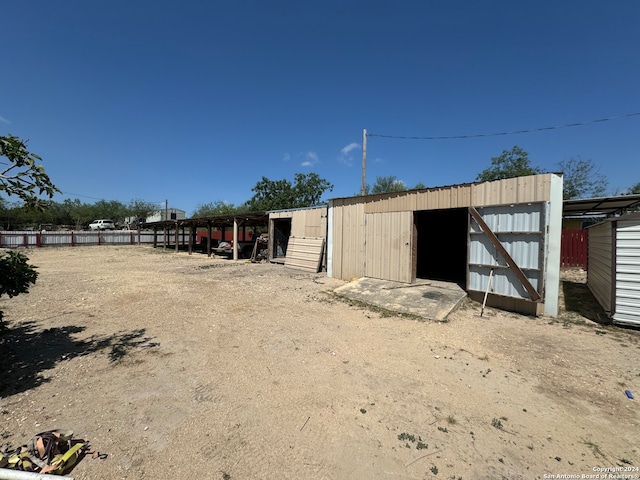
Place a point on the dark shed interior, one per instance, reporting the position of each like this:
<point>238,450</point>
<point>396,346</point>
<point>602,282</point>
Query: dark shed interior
<point>441,244</point>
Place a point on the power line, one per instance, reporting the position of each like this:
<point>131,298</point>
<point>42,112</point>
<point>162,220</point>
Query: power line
<point>94,198</point>
<point>531,130</point>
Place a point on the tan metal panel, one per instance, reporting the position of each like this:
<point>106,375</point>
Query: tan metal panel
<point>600,264</point>
<point>389,240</point>
<point>348,241</point>
<point>306,222</point>
<point>316,222</point>
<point>534,188</point>
<point>304,253</point>
<point>348,260</point>
<point>336,242</point>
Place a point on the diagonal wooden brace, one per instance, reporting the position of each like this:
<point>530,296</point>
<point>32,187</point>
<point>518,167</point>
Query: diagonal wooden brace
<point>535,296</point>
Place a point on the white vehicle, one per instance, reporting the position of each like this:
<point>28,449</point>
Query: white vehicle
<point>102,225</point>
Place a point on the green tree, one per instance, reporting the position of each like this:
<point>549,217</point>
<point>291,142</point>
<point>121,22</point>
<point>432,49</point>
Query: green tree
<point>75,213</point>
<point>16,275</point>
<point>217,207</point>
<point>307,191</point>
<point>141,209</point>
<point>388,184</point>
<point>23,176</point>
<point>581,179</point>
<point>309,188</point>
<point>111,209</point>
<point>510,164</point>
<point>634,190</point>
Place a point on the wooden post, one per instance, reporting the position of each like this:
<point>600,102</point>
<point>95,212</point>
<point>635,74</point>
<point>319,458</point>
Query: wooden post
<point>192,238</point>
<point>235,238</point>
<point>364,162</point>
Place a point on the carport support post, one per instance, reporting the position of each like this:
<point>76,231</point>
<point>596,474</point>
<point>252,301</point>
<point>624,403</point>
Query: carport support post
<point>177,236</point>
<point>192,238</point>
<point>235,238</point>
<point>208,238</point>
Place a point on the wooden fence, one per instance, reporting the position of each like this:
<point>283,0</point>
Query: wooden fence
<point>574,248</point>
<point>15,239</point>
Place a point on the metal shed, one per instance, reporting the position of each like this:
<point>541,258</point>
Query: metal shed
<point>613,273</point>
<point>307,227</point>
<point>502,237</point>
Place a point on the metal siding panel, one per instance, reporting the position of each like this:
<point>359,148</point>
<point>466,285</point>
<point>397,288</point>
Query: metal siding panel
<point>388,245</point>
<point>348,238</point>
<point>336,241</point>
<point>520,230</point>
<point>600,261</point>
<point>304,253</point>
<point>529,189</point>
<point>627,287</point>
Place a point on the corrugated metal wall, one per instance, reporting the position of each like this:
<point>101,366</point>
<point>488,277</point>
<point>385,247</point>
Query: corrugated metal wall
<point>533,188</point>
<point>521,231</point>
<point>348,225</point>
<point>308,222</point>
<point>599,271</point>
<point>389,236</point>
<point>347,246</point>
<point>627,288</point>
<point>349,241</point>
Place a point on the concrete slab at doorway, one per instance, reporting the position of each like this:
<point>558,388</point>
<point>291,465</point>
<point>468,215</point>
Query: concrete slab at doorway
<point>429,299</point>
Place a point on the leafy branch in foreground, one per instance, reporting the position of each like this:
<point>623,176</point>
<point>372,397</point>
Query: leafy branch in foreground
<point>23,175</point>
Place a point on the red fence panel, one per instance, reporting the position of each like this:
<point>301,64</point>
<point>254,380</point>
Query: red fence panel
<point>574,248</point>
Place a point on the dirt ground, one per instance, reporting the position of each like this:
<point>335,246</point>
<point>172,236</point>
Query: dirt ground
<point>183,366</point>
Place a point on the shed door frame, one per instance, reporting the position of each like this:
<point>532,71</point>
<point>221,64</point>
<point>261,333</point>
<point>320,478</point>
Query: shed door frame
<point>511,250</point>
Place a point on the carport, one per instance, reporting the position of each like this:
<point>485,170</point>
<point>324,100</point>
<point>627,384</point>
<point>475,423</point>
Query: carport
<point>231,224</point>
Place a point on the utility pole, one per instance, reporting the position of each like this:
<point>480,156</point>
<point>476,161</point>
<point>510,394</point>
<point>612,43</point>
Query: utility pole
<point>364,161</point>
<point>166,210</point>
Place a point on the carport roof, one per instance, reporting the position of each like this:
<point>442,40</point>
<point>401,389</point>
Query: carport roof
<point>599,206</point>
<point>248,219</point>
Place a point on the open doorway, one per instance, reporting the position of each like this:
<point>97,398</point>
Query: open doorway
<point>281,234</point>
<point>441,245</point>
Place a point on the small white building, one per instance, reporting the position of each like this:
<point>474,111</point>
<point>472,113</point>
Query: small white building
<point>166,214</point>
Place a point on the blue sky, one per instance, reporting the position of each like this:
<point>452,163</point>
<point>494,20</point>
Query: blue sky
<point>195,101</point>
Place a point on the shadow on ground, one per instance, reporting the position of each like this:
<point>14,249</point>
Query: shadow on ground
<point>27,351</point>
<point>579,301</point>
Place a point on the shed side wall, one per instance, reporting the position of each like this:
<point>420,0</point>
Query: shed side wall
<point>600,264</point>
<point>627,286</point>
<point>348,236</point>
<point>308,222</point>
